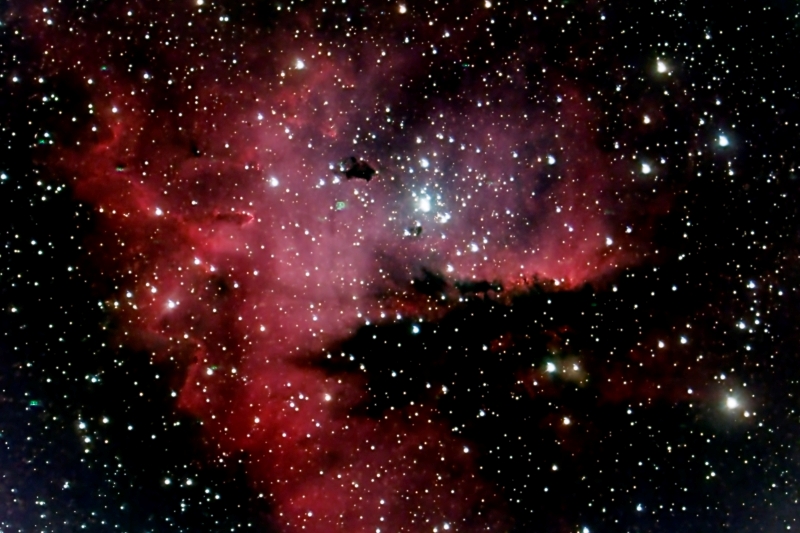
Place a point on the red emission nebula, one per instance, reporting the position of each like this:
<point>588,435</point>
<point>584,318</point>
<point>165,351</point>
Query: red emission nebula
<point>238,247</point>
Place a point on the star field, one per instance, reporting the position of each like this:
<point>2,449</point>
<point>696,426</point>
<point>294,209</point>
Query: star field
<point>416,266</point>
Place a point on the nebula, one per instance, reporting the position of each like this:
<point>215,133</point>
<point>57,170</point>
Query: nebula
<point>244,258</point>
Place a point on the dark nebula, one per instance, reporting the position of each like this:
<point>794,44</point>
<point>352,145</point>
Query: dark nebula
<point>382,267</point>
